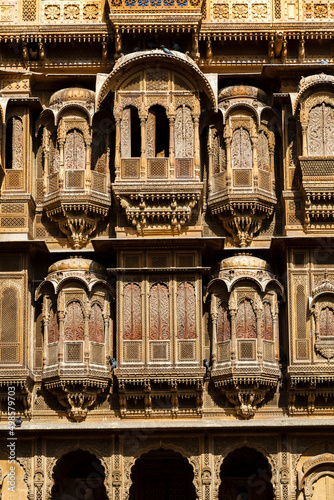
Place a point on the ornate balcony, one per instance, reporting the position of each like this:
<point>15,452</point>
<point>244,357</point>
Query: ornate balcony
<point>76,333</point>
<point>245,337</point>
<point>76,173</point>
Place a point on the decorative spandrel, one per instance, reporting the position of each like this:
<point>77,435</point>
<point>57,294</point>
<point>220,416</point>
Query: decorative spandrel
<point>186,311</point>
<point>245,321</point>
<point>96,324</point>
<point>74,328</point>
<point>159,312</point>
<point>132,312</point>
<point>223,323</point>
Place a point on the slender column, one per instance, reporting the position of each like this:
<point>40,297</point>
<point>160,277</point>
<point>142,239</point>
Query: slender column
<point>234,346</point>
<point>196,147</point>
<point>259,339</point>
<point>61,317</point>
<point>210,156</point>
<point>86,336</point>
<point>118,148</point>
<point>172,146</point>
<point>88,180</point>
<point>255,164</point>
<point>143,158</point>
<point>214,316</point>
<point>46,158</point>
<point>304,138</point>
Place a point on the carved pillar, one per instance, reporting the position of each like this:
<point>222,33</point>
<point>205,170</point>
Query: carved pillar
<point>118,148</point>
<point>196,147</point>
<point>214,317</point>
<point>276,337</point>
<point>118,44</point>
<point>259,339</point>
<point>210,157</point>
<point>171,146</point>
<point>304,138</point>
<point>61,318</point>
<point>46,158</point>
<point>45,330</point>
<point>86,337</point>
<point>255,165</point>
<point>61,141</point>
<point>88,181</point>
<point>143,159</point>
<point>228,142</point>
<point>234,346</point>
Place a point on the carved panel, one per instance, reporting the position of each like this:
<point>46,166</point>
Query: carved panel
<point>186,311</point>
<point>96,324</point>
<point>245,321</point>
<point>184,133</point>
<point>132,312</point>
<point>267,323</point>
<point>126,133</point>
<point>17,143</point>
<point>159,312</point>
<point>53,332</point>
<point>74,151</point>
<point>53,155</point>
<point>9,305</point>
<point>321,131</point>
<point>74,322</point>
<point>241,149</point>
<point>150,135</point>
<point>326,323</point>
<point>223,323</point>
<point>219,153</point>
<point>263,152</point>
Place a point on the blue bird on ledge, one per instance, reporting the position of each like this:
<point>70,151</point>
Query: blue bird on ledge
<point>167,51</point>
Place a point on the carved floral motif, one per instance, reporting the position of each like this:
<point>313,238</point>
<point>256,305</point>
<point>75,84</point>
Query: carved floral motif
<point>245,321</point>
<point>53,332</point>
<point>326,322</point>
<point>267,322</point>
<point>74,322</point>
<point>241,149</point>
<point>263,156</point>
<point>240,11</point>
<point>159,312</point>
<point>74,151</point>
<point>184,133</point>
<point>71,12</point>
<point>52,12</point>
<point>223,323</point>
<point>259,11</point>
<point>220,11</point>
<point>96,324</point>
<point>186,311</point>
<point>132,328</point>
<point>90,12</point>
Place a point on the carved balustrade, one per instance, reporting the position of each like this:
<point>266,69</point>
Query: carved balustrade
<point>77,341</point>
<point>245,336</point>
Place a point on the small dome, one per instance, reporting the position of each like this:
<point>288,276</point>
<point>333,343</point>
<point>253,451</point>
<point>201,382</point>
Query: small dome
<point>77,264</point>
<point>245,261</point>
<point>72,94</point>
<point>245,91</point>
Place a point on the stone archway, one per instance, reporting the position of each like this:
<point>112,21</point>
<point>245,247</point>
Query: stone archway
<point>246,475</point>
<point>162,475</point>
<point>79,475</point>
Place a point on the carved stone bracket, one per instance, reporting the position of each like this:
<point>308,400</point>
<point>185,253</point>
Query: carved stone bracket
<point>246,400</point>
<point>325,347</point>
<point>77,220</point>
<point>154,209</point>
<point>77,397</point>
<point>242,219</point>
<point>23,395</point>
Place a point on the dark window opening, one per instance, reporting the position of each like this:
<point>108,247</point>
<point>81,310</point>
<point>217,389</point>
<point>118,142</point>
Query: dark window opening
<point>135,133</point>
<point>9,144</point>
<point>161,131</point>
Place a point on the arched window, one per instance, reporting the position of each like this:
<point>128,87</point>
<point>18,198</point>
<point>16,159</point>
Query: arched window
<point>263,156</point>
<point>74,328</point>
<point>326,322</point>
<point>159,312</point>
<point>96,324</point>
<point>74,151</point>
<point>267,323</point>
<point>242,156</point>
<point>321,131</point>
<point>132,311</point>
<point>186,311</point>
<point>14,143</point>
<point>130,133</point>
<point>223,323</point>
<point>184,133</point>
<point>53,332</point>
<point>157,143</point>
<point>99,152</point>
<point>245,321</point>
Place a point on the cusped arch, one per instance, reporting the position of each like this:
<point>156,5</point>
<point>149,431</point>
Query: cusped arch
<point>307,84</point>
<point>133,62</point>
<point>254,112</point>
<point>70,448</point>
<point>270,457</point>
<point>158,446</point>
<point>75,106</point>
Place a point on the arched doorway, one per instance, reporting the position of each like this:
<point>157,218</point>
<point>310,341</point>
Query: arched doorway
<point>162,475</point>
<point>79,475</point>
<point>245,475</point>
